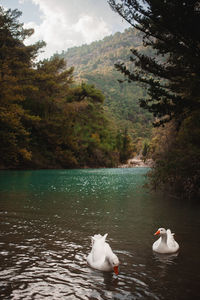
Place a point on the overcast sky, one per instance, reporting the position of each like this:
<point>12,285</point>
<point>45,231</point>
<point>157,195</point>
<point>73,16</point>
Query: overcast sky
<point>63,24</point>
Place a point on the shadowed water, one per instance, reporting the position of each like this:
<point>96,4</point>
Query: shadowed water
<point>48,216</point>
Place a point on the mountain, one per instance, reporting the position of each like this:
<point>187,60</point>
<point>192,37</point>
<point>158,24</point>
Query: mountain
<point>94,64</point>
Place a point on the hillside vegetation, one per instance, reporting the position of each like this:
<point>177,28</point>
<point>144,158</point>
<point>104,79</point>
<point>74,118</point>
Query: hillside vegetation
<point>48,119</point>
<point>94,64</point>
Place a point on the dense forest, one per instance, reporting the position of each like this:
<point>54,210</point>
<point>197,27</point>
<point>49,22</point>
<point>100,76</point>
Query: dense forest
<point>94,64</point>
<point>47,120</point>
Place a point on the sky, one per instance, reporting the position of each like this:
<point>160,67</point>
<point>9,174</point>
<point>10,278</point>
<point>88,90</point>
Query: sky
<point>63,24</point>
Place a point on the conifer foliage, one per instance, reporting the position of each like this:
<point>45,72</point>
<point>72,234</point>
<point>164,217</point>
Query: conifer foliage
<point>171,76</point>
<point>15,68</point>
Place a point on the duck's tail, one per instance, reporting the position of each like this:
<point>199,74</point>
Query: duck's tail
<point>170,239</point>
<point>98,237</point>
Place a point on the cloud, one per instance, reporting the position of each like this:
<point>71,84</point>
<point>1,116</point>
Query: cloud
<point>91,28</point>
<point>66,23</point>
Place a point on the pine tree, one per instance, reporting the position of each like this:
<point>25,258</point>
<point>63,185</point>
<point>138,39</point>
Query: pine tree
<point>171,73</point>
<point>16,61</point>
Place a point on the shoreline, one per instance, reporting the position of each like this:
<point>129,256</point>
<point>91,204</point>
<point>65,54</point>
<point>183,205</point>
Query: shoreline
<point>137,162</point>
<point>131,163</point>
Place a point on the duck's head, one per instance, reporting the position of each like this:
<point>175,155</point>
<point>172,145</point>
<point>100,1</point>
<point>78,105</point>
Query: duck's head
<point>114,261</point>
<point>160,231</point>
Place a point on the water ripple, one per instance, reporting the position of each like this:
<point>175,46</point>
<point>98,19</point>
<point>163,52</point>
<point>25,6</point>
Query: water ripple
<point>61,271</point>
<point>48,217</point>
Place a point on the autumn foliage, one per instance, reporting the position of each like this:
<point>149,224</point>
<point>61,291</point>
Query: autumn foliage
<point>46,119</point>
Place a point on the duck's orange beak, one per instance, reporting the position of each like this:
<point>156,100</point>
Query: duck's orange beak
<point>157,232</point>
<point>116,270</point>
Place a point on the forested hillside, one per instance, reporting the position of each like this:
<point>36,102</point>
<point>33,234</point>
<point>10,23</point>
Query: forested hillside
<point>94,64</point>
<point>47,119</point>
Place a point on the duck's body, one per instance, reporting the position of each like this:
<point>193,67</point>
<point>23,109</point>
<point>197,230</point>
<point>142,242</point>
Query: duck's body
<point>166,243</point>
<point>101,256</point>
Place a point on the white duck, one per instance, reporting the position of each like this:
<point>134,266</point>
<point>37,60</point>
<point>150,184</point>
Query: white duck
<point>101,256</point>
<point>166,243</point>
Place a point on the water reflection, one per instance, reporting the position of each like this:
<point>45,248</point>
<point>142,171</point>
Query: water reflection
<point>167,259</point>
<point>48,217</point>
<point>110,280</point>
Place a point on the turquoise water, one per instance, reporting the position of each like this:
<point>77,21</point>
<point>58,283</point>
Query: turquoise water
<point>48,216</point>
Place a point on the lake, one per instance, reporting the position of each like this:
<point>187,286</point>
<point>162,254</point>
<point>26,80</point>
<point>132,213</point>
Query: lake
<point>48,216</point>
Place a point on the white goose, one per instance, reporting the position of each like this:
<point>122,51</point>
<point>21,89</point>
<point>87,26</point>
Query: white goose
<point>166,243</point>
<point>101,256</point>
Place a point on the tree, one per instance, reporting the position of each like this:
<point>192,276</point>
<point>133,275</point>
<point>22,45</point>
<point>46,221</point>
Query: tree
<point>86,92</point>
<point>124,146</point>
<point>51,82</point>
<point>46,120</point>
<point>176,156</point>
<point>171,73</point>
<point>145,150</point>
<point>16,61</point>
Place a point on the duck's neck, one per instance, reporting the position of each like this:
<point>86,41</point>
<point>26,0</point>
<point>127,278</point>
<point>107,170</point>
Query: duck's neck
<point>110,258</point>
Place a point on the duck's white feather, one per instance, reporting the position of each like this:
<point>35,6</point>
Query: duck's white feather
<point>170,240</point>
<point>156,244</point>
<point>166,242</point>
<point>101,256</point>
